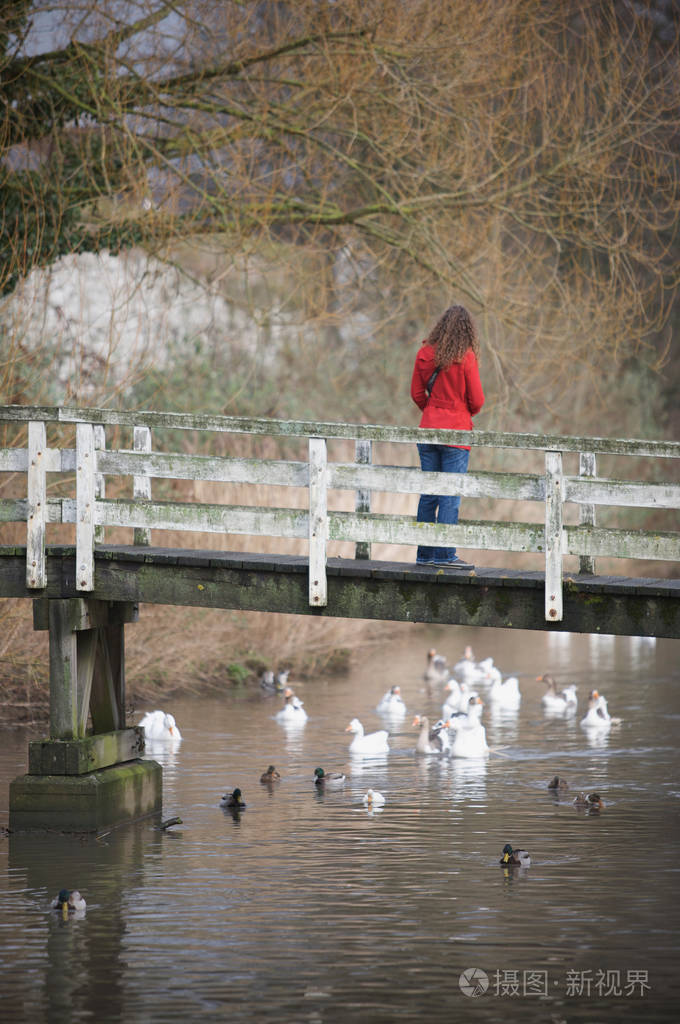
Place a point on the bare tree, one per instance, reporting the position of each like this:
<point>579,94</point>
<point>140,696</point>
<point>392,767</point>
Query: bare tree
<point>517,155</point>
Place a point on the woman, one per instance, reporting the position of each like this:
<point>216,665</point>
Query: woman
<point>451,350</point>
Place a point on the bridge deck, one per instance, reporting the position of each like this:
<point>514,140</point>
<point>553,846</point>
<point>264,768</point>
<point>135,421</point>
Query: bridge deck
<point>356,589</point>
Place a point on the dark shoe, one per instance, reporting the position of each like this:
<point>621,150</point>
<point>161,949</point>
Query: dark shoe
<point>456,563</point>
<point>424,561</point>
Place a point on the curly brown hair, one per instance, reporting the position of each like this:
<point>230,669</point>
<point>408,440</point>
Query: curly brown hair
<point>452,335</point>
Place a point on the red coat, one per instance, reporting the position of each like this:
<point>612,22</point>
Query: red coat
<point>457,394</point>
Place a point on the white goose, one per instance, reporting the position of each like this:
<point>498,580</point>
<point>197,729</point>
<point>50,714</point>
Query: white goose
<point>466,668</point>
<point>159,725</point>
<point>367,743</point>
<point>459,698</point>
<point>292,712</point>
<point>505,693</point>
<point>565,700</point>
<point>373,799</point>
<point>469,735</point>
<point>597,717</point>
<point>452,704</point>
<point>392,703</point>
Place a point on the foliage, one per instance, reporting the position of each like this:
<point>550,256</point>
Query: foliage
<point>517,156</point>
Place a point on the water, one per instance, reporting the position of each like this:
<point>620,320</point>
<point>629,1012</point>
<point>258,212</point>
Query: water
<point>310,908</point>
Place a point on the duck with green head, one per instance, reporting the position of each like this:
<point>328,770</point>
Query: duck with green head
<point>69,903</point>
<point>514,857</point>
<point>328,780</point>
<point>233,801</point>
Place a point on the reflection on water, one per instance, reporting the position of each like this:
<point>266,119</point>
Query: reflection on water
<point>309,906</point>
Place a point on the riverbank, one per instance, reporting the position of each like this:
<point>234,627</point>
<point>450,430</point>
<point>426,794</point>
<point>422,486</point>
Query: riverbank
<point>184,651</point>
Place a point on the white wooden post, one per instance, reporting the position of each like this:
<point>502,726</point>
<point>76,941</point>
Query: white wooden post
<point>318,521</point>
<point>362,503</point>
<point>36,566</point>
<point>100,479</point>
<point>141,485</point>
<point>586,467</point>
<point>554,496</point>
<point>85,489</point>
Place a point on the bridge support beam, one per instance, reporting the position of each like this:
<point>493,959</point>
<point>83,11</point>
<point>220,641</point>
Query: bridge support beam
<point>85,778</point>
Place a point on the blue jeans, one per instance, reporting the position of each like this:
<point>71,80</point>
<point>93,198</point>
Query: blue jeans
<point>432,508</point>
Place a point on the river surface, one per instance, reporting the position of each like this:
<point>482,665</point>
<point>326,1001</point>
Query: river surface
<point>309,907</point>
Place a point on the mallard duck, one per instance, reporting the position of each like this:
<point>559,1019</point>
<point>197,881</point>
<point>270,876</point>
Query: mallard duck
<point>591,801</point>
<point>328,780</point>
<point>552,700</point>
<point>69,902</point>
<point>392,702</point>
<point>518,857</point>
<point>292,710</point>
<point>369,743</point>
<point>159,725</point>
<point>429,739</point>
<point>373,799</point>
<point>557,783</point>
<point>271,775</point>
<point>505,693</point>
<point>233,801</point>
<point>436,671</point>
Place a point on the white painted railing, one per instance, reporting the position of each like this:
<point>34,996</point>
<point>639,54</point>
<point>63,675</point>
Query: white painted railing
<point>91,511</point>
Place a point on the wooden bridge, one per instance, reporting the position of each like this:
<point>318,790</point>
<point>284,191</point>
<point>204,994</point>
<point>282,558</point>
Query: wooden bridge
<point>60,468</point>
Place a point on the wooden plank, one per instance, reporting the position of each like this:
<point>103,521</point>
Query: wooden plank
<point>373,432</point>
<point>86,643</point>
<point>36,569</point>
<point>412,480</point>
<point>107,701</point>
<point>587,468</point>
<point>554,496</point>
<point>318,522</point>
<point>621,492</point>
<point>219,469</point>
<point>59,510</point>
<point>141,487</point>
<point>90,754</point>
<point>87,613</point>
<point>611,543</point>
<point>85,506</point>
<point>100,479</point>
<point>391,529</point>
<point>203,518</point>
<point>362,501</point>
<point>63,673</point>
<point>13,460</point>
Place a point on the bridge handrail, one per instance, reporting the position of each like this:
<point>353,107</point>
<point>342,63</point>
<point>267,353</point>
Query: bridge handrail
<point>347,431</point>
<point>92,512</point>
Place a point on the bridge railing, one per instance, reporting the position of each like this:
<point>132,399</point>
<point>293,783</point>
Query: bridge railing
<point>91,511</point>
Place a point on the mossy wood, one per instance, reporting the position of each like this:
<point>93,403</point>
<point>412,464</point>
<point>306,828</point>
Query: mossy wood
<point>86,803</point>
<point>93,513</point>
<point>78,757</point>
